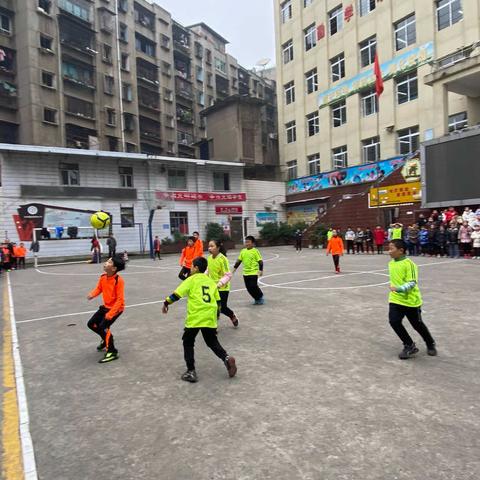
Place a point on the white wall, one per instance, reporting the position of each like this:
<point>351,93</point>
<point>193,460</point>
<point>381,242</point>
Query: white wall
<point>261,194</point>
<point>35,169</point>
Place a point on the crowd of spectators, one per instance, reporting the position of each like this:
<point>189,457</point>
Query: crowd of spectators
<point>444,233</point>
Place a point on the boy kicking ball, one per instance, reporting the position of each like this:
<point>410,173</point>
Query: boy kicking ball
<point>111,286</point>
<point>405,300</point>
<point>203,309</point>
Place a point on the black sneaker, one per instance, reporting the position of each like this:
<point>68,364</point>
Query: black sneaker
<point>231,367</point>
<point>190,376</point>
<point>432,350</point>
<point>101,347</point>
<point>407,352</point>
<point>234,320</point>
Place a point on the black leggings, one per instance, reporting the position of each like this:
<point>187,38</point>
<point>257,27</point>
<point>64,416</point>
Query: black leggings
<point>21,262</point>
<point>101,326</point>
<point>223,301</point>
<point>210,337</point>
<point>379,248</point>
<point>298,243</point>
<point>157,254</point>
<point>414,316</point>
<point>184,273</point>
<point>336,261</point>
<point>251,284</point>
<point>350,246</point>
<point>359,246</point>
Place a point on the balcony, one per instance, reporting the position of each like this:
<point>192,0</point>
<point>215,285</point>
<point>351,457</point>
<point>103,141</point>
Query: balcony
<point>147,72</point>
<point>79,9</point>
<point>8,96</point>
<point>184,138</point>
<point>184,115</point>
<point>148,99</point>
<point>7,61</point>
<point>149,129</point>
<point>183,89</point>
<point>78,76</point>
<point>144,17</point>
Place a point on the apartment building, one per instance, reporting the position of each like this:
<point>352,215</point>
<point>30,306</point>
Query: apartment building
<point>329,114</point>
<point>118,75</point>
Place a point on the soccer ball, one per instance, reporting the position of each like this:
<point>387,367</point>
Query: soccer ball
<point>100,220</point>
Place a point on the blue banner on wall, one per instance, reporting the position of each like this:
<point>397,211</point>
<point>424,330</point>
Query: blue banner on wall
<point>345,176</point>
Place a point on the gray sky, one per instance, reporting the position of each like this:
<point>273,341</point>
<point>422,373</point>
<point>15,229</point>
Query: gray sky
<point>251,37</point>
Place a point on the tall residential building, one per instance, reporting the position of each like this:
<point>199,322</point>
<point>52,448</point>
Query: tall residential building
<point>329,114</point>
<point>117,75</point>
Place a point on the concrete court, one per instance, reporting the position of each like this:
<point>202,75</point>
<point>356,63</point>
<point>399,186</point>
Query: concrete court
<point>320,393</point>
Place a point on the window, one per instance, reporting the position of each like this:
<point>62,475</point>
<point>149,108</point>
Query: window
<point>79,8</point>
<point>367,51</point>
<point>108,84</point>
<point>127,218</point>
<point>366,6</point>
<point>107,53</point>
<point>408,140</point>
<point>5,24</point>
<point>177,179</point>
<point>306,3</point>
<point>313,124</point>
<point>106,21</point>
<point>220,65</point>
<point>448,13</point>
<point>407,88</point>
<point>369,102</point>
<point>339,113</point>
<point>144,45</point>
<point>337,67</point>
<point>286,11</point>
<point>209,80</point>
<point>69,174</point>
<point>45,6</point>
<point>123,6</point>
<point>291,130</point>
<point>168,95</point>
<point>78,74</point>
<point>129,122</point>
<point>48,79</point>
<point>123,32</point>
<point>371,150</point>
<point>292,170</point>
<point>125,62</point>
<point>340,157</point>
<point>166,69</point>
<point>165,41</point>
<point>310,36</point>
<point>126,176</point>
<point>49,115</point>
<point>335,20</point>
<point>221,181</point>
<point>179,222</point>
<point>127,92</point>
<point>313,164</point>
<point>199,74</point>
<point>405,32</point>
<point>457,121</point>
<point>46,42</point>
<point>312,80</point>
<point>79,107</point>
<point>111,117</point>
<point>287,49</point>
<point>289,90</point>
<point>208,56</point>
<point>201,99</point>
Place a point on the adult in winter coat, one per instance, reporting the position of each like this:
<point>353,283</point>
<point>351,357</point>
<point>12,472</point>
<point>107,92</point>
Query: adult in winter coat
<point>452,240</point>
<point>350,239</point>
<point>379,237</point>
<point>465,237</point>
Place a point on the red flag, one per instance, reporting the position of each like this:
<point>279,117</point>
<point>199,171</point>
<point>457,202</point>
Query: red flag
<point>378,76</point>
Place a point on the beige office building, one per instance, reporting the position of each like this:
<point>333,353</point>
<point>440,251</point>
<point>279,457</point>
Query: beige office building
<point>117,75</point>
<point>329,115</point>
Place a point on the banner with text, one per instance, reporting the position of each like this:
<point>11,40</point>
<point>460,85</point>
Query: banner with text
<point>200,197</point>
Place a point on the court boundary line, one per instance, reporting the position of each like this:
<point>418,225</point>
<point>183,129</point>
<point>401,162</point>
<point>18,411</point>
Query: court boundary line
<point>28,453</point>
<point>155,302</point>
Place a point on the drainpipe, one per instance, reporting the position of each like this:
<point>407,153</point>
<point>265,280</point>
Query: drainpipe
<point>119,72</point>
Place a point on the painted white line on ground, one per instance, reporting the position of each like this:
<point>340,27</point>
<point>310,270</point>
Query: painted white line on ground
<point>28,454</point>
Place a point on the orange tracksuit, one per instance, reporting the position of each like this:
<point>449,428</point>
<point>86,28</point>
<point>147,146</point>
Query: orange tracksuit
<point>20,253</point>
<point>198,246</point>
<point>188,254</point>
<point>112,290</point>
<point>335,246</point>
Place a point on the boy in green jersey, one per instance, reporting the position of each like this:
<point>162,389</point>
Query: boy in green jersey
<point>252,269</point>
<point>203,308</point>
<point>405,300</point>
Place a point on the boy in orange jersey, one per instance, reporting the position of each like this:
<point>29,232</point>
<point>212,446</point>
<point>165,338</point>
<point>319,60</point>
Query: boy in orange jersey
<point>20,252</point>
<point>335,247</point>
<point>198,244</point>
<point>186,259</point>
<point>111,285</point>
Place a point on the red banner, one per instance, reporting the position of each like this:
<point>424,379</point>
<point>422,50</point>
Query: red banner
<point>228,210</point>
<point>201,197</point>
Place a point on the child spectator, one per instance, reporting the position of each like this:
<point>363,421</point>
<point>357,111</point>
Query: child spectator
<point>465,237</point>
<point>111,285</point>
<point>423,240</point>
<point>432,240</point>
<point>359,236</point>
<point>350,239</point>
<point>156,248</point>
<point>452,240</point>
<point>198,244</point>
<point>476,242</point>
<point>335,247</point>
<point>379,236</point>
<point>412,241</point>
<point>368,235</point>
<point>20,253</point>
<point>441,241</point>
<point>186,259</point>
<point>203,309</point>
<point>6,257</point>
<point>252,269</point>
<point>397,231</point>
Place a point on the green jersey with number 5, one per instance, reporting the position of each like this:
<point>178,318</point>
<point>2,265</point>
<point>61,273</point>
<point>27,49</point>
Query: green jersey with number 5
<point>203,296</point>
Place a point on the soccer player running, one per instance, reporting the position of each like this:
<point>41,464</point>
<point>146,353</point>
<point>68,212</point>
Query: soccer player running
<point>335,247</point>
<point>219,272</point>
<point>111,285</point>
<point>203,309</point>
<point>405,300</point>
<point>252,269</point>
